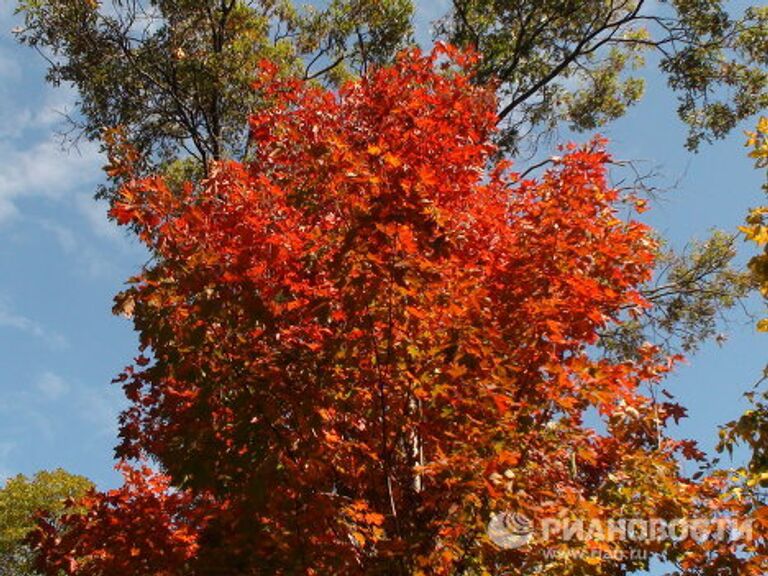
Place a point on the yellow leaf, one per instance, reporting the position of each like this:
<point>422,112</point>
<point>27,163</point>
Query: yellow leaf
<point>393,160</point>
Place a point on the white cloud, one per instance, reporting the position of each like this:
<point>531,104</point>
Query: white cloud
<point>44,170</point>
<point>89,254</point>
<point>42,111</point>
<point>10,69</point>
<point>6,448</point>
<point>95,212</point>
<point>58,104</point>
<point>65,237</point>
<point>426,15</point>
<point>34,164</point>
<point>100,408</point>
<point>10,319</point>
<point>51,386</point>
<point>50,407</point>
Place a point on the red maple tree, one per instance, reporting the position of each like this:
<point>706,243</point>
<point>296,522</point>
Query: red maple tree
<point>360,345</point>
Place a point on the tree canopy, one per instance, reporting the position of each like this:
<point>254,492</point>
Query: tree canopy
<point>172,80</point>
<point>363,342</point>
<point>581,62</point>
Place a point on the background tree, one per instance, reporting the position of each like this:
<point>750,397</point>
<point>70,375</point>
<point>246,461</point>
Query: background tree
<point>691,293</point>
<point>21,498</point>
<point>578,63</point>
<point>176,75</point>
<point>752,428</point>
<point>361,343</point>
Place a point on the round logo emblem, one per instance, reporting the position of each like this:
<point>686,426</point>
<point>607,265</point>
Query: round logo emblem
<point>509,531</point>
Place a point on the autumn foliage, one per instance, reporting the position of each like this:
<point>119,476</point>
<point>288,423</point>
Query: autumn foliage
<point>359,345</point>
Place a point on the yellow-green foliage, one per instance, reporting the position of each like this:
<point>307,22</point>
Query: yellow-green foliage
<point>756,228</point>
<point>20,499</point>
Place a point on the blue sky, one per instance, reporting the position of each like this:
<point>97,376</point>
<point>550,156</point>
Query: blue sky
<point>62,262</point>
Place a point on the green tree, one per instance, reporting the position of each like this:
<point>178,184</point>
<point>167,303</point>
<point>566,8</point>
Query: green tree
<point>691,293</point>
<point>176,75</point>
<point>751,429</point>
<point>20,499</point>
<point>579,63</point>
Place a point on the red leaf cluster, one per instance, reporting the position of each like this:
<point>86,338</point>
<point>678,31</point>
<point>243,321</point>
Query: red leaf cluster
<point>143,527</point>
